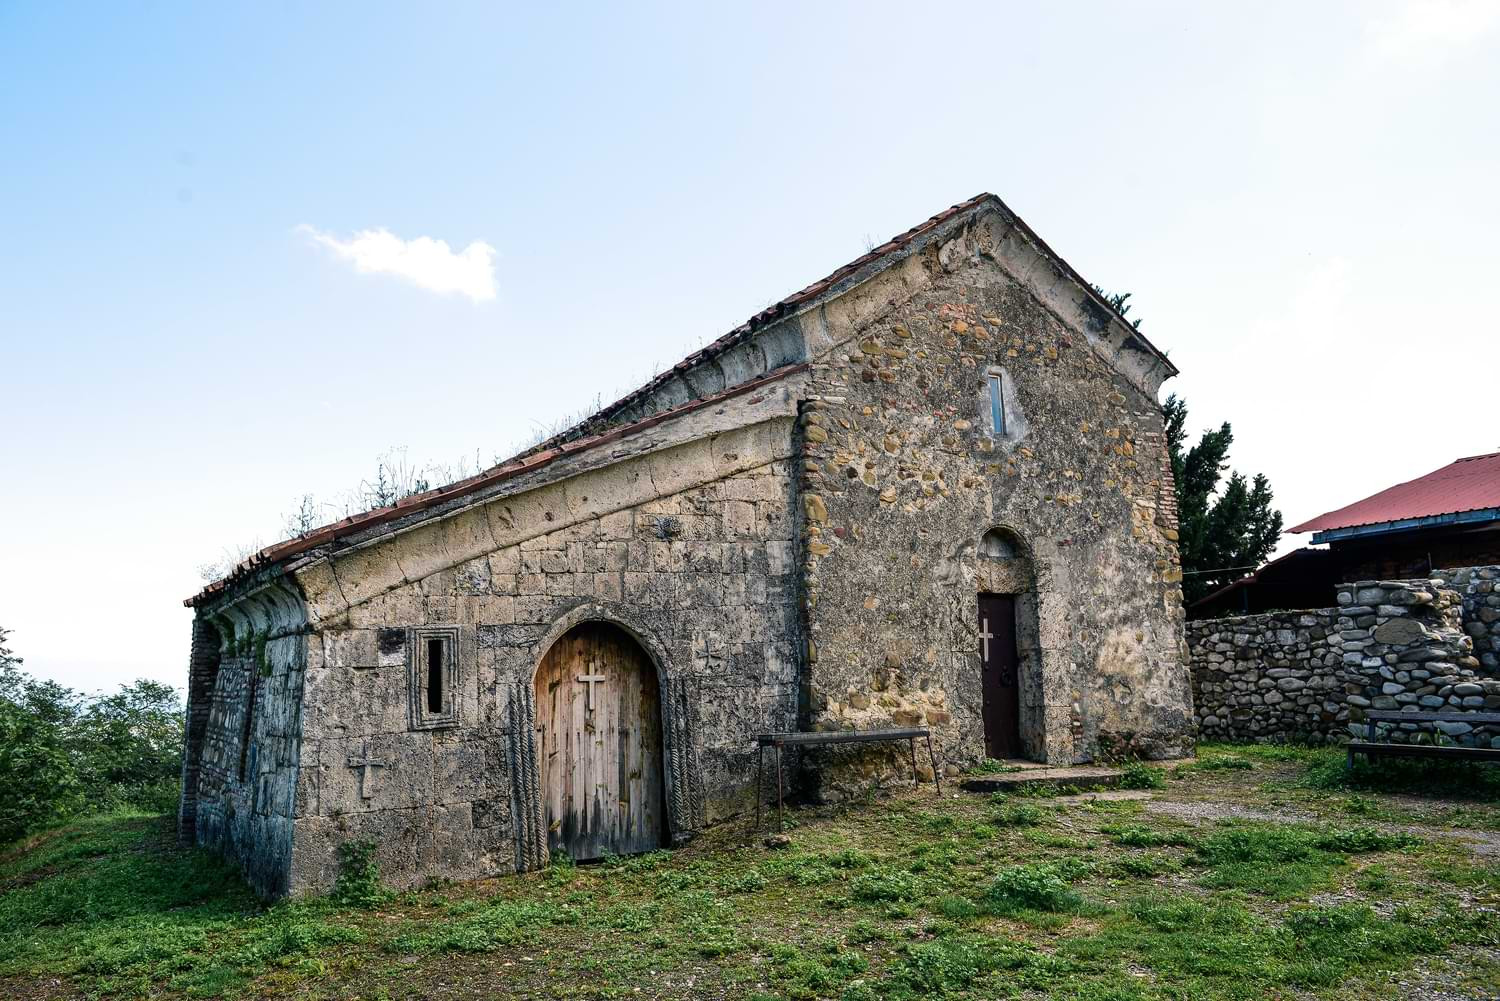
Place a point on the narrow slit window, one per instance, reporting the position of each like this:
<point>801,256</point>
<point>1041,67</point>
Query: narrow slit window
<point>435,682</point>
<point>435,675</point>
<point>997,405</point>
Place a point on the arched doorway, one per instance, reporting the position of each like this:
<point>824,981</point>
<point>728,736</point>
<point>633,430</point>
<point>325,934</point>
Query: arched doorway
<point>1005,603</point>
<point>599,744</point>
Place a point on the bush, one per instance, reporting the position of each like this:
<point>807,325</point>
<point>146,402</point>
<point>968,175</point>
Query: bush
<point>884,882</point>
<point>358,882</point>
<point>1037,887</point>
<point>1138,775</point>
<point>1019,815</point>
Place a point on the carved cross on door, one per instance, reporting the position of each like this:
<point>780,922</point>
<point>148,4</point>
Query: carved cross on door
<point>984,637</point>
<point>591,680</point>
<point>364,763</point>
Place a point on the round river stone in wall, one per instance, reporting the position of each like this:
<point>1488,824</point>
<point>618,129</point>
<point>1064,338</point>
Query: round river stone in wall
<point>1399,632</point>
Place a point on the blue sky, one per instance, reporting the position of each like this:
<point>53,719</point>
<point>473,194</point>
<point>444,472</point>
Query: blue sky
<point>1300,196</point>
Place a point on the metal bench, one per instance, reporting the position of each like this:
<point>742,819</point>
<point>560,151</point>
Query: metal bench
<point>910,734</point>
<point>1371,748</point>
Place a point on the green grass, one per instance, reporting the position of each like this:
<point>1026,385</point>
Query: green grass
<point>908,897</point>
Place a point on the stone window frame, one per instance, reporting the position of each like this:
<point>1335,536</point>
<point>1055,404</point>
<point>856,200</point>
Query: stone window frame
<point>1008,410</point>
<point>418,638</point>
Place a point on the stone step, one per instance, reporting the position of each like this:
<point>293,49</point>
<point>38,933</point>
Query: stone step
<point>1084,777</point>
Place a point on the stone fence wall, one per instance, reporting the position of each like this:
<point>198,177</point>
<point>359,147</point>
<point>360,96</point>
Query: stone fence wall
<point>1309,675</point>
<point>1480,590</point>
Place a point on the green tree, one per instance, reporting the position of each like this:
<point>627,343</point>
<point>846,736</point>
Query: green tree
<point>1221,531</point>
<point>63,753</point>
<point>128,746</point>
<point>39,784</point>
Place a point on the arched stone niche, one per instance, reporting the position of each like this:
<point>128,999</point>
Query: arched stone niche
<point>1002,561</point>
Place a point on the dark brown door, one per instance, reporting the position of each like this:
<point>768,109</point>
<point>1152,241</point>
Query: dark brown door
<point>599,737</point>
<point>1000,688</point>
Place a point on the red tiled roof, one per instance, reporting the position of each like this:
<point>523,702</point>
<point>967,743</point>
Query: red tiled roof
<point>496,474</point>
<point>1471,484</point>
<point>594,430</point>
<point>778,310</point>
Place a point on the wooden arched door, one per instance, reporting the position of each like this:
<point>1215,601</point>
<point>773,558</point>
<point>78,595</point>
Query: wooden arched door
<point>598,714</point>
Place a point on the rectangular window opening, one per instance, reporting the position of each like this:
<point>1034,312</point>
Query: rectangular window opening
<point>435,675</point>
<point>997,405</point>
<point>433,665</point>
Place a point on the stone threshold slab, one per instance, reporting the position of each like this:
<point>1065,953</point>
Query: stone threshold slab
<point>1031,774</point>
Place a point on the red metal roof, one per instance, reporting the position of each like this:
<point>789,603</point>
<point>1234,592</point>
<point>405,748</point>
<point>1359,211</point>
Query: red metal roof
<point>1471,484</point>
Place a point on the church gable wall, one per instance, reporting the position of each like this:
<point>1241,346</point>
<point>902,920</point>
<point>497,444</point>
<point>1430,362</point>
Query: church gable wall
<point>702,572</point>
<point>904,475</point>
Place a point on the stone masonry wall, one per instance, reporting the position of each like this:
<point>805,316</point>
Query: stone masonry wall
<point>1479,587</point>
<point>902,476</point>
<point>1309,675</point>
<point>246,788</point>
<point>703,577</point>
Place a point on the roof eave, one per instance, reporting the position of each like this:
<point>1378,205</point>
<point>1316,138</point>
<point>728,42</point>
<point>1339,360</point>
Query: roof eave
<point>1404,525</point>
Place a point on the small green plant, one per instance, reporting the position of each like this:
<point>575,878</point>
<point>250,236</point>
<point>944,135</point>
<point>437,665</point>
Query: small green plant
<point>1019,815</point>
<point>748,881</point>
<point>1038,887</point>
<point>1139,775</point>
<point>884,883</point>
<point>1137,836</point>
<point>358,880</point>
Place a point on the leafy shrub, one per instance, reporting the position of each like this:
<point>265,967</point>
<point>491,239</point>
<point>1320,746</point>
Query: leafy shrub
<point>358,881</point>
<point>957,908</point>
<point>884,882</point>
<point>1139,775</point>
<point>748,881</point>
<point>954,963</point>
<point>1038,887</point>
<point>807,976</point>
<point>1364,839</point>
<point>1019,815</point>
<point>1137,836</point>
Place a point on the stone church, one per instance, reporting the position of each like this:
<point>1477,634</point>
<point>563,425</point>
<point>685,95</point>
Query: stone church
<point>932,488</point>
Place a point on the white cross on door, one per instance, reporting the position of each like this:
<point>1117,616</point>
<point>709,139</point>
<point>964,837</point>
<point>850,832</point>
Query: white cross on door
<point>985,636</point>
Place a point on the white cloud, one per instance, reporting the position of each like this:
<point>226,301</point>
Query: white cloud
<point>1415,31</point>
<point>425,262</point>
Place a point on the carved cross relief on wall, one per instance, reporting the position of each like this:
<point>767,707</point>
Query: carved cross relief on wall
<point>364,763</point>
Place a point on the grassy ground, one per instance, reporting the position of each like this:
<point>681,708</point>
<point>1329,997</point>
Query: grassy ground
<point>1249,875</point>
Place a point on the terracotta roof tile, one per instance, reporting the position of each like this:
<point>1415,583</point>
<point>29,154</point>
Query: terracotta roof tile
<point>579,437</point>
<point>496,474</point>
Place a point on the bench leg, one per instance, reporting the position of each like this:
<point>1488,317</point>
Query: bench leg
<point>914,780</point>
<point>780,809</point>
<point>1350,766</point>
<point>760,767</point>
<point>936,777</point>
